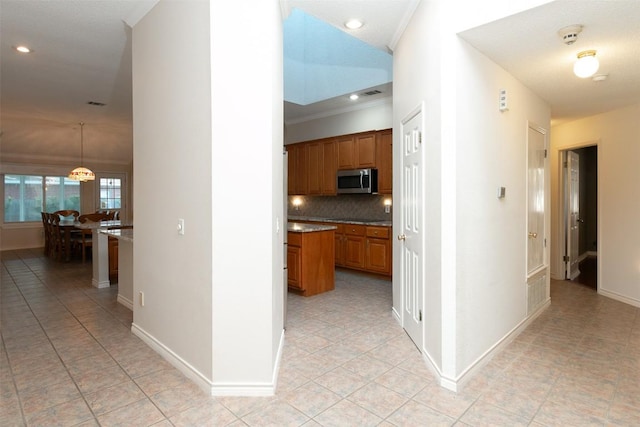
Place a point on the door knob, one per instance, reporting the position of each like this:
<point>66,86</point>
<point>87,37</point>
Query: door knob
<point>533,235</point>
<point>401,237</point>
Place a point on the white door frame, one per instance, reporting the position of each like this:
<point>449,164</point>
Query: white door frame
<point>560,208</point>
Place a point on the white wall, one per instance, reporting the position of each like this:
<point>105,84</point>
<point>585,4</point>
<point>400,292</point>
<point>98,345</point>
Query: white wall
<point>617,134</point>
<point>172,172</point>
<point>491,232</point>
<point>207,127</point>
<point>474,269</point>
<point>373,116</point>
<point>247,130</point>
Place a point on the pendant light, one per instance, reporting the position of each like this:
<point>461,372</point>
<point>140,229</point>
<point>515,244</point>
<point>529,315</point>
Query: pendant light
<point>81,173</point>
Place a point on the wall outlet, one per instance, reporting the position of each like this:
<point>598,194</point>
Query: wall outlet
<point>141,299</point>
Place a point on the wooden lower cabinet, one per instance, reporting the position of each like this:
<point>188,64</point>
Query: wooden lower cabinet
<point>310,261</point>
<point>113,257</point>
<point>378,250</point>
<point>354,245</point>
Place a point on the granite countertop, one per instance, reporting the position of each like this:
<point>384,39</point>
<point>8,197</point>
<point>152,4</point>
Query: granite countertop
<point>297,227</point>
<point>120,234</point>
<point>90,225</point>
<point>381,223</point>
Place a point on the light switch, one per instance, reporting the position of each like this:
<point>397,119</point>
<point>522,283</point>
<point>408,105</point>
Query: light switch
<point>181,226</point>
<point>501,192</point>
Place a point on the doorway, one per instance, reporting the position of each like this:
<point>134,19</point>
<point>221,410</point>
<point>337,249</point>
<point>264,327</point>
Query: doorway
<point>580,214</point>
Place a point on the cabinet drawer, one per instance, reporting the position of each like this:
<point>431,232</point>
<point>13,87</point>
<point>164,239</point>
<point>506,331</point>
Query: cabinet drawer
<point>354,229</point>
<point>379,232</point>
<point>294,239</point>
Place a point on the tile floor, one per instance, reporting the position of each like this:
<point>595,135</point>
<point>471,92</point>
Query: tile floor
<point>68,358</point>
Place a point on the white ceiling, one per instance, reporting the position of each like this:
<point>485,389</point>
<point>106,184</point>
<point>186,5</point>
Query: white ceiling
<point>82,53</point>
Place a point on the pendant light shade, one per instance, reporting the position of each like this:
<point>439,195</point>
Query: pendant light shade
<point>81,173</point>
<point>586,65</point>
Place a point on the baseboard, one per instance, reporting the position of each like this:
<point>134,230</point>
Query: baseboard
<point>210,387</point>
<point>457,384</point>
<point>396,315</point>
<point>618,297</point>
<point>100,285</point>
<point>126,302</point>
<point>176,361</point>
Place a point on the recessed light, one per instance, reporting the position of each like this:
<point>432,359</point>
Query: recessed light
<point>23,49</point>
<point>353,24</point>
<point>353,96</point>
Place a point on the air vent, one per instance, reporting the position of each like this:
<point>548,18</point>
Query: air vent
<point>97,104</point>
<point>371,92</point>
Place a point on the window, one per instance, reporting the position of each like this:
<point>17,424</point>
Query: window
<point>25,196</point>
<point>110,193</point>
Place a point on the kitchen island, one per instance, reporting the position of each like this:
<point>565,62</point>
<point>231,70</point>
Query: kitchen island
<point>310,258</point>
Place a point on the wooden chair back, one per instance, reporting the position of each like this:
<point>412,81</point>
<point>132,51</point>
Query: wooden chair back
<point>93,217</point>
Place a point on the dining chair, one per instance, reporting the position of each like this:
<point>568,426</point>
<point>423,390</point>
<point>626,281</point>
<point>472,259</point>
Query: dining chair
<point>45,228</point>
<point>68,212</point>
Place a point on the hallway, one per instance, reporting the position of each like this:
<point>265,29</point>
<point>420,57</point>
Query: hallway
<point>68,358</point>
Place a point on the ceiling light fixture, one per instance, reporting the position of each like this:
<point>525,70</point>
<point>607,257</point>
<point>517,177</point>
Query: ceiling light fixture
<point>23,49</point>
<point>353,24</point>
<point>81,173</point>
<point>353,96</point>
<point>587,64</point>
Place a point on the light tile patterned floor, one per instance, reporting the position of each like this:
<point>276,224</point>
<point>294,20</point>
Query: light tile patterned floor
<point>68,358</point>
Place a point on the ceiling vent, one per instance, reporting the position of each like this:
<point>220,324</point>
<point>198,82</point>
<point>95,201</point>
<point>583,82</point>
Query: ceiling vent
<point>371,92</point>
<point>570,34</point>
<point>97,104</point>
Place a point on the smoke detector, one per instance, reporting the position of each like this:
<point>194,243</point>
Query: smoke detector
<point>570,34</point>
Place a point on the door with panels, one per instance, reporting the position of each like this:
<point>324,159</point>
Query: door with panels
<point>411,226</point>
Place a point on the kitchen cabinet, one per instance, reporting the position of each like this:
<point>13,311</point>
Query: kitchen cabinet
<point>356,151</point>
<point>322,167</point>
<point>378,250</point>
<point>298,177</point>
<point>113,258</point>
<point>310,262</point>
<point>354,246</point>
<point>313,164</point>
<point>384,146</point>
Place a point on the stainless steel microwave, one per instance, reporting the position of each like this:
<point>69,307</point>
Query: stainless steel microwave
<point>357,181</point>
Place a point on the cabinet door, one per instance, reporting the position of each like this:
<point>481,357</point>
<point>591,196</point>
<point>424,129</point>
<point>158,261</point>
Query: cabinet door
<point>329,168</point>
<point>346,152</point>
<point>315,170</point>
<point>365,146</point>
<point>294,267</point>
<point>385,161</point>
<point>354,251</point>
<point>378,255</point>
<point>113,257</point>
<point>292,170</point>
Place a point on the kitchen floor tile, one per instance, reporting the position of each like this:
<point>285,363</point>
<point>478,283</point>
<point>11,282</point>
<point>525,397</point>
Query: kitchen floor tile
<point>68,357</point>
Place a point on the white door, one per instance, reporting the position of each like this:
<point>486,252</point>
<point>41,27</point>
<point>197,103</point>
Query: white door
<point>536,155</point>
<point>573,214</point>
<point>411,230</point>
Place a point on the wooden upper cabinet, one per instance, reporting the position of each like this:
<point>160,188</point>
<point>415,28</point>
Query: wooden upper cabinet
<point>329,167</point>
<point>384,142</point>
<point>357,151</point>
<point>298,169</point>
<point>346,153</point>
<point>316,161</point>
<point>365,146</point>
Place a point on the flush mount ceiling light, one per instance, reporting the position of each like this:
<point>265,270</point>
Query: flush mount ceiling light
<point>81,173</point>
<point>23,49</point>
<point>353,96</point>
<point>353,24</point>
<point>587,64</point>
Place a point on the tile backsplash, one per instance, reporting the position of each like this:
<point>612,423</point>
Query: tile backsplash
<point>356,206</point>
